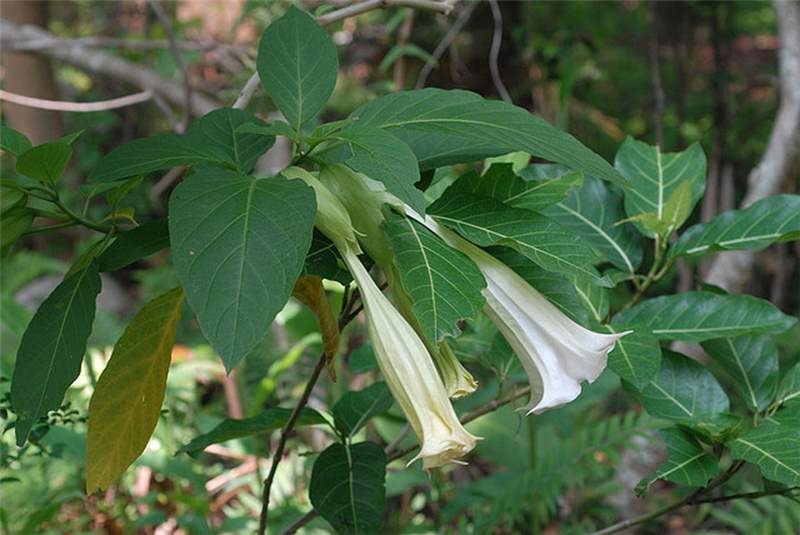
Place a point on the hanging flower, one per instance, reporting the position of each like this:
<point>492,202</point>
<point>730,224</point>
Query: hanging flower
<point>402,356</point>
<point>556,353</point>
<point>411,375</point>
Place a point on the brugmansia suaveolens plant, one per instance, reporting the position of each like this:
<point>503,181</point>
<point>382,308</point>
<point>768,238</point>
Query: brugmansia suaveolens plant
<point>435,191</point>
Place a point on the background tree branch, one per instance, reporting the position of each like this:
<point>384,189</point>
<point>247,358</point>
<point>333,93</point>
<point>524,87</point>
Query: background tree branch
<point>106,64</point>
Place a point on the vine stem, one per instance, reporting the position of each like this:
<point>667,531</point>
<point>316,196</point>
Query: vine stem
<point>394,454</point>
<point>346,315</point>
<point>688,501</point>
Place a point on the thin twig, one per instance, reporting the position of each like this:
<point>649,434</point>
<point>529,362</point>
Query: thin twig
<point>444,44</point>
<point>347,303</point>
<point>63,105</point>
<point>494,52</point>
<point>689,501</point>
<point>35,45</point>
<point>287,429</point>
<point>393,453</point>
<point>96,61</point>
<point>441,6</point>
<point>176,52</point>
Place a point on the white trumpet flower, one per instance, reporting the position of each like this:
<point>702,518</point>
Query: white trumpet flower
<point>556,353</point>
<point>411,375</point>
<point>402,356</point>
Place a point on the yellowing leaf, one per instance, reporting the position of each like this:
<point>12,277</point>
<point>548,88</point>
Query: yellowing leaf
<point>126,404</point>
<point>309,290</point>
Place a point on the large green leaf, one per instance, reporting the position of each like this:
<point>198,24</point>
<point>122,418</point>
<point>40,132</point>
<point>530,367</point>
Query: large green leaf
<point>593,212</point>
<point>767,221</point>
<point>348,487</point>
<point>636,357</point>
<point>534,192</point>
<point>752,364</point>
<point>12,141</point>
<point>383,157</point>
<point>699,316</point>
<point>773,447</point>
<point>238,245</point>
<point>297,63</point>
<point>684,391</point>
<point>51,351</point>
<point>135,244</point>
<point>45,162</point>
<point>211,140</point>
<point>444,284</point>
<point>357,406</point>
<point>267,421</point>
<point>126,403</point>
<point>446,127</point>
<point>654,176</point>
<point>687,462</point>
<point>486,222</point>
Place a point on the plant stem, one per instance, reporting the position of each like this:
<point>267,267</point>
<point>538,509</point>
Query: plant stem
<point>287,429</point>
<point>688,501</point>
<point>78,218</point>
<point>345,316</point>
<point>397,454</point>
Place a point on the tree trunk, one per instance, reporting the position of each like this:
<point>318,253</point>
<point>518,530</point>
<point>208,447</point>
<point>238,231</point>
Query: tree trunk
<point>30,75</point>
<point>731,270</point>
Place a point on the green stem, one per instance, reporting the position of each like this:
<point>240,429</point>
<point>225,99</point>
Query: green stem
<point>80,219</point>
<point>532,454</point>
<point>50,227</point>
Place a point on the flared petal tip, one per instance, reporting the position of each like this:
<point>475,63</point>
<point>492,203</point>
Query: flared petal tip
<point>446,452</point>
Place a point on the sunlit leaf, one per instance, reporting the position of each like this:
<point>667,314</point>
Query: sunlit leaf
<point>126,403</point>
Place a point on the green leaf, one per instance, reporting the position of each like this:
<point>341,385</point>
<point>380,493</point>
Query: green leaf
<point>683,391</point>
<point>772,446</point>
<point>676,210</point>
<point>593,212</point>
<point>216,133</point>
<point>126,403</point>
<point>444,284</point>
<point>12,141</point>
<point>322,260</point>
<point>486,222</point>
<point>654,176</point>
<point>501,183</point>
<point>767,221</point>
<point>789,388</point>
<point>357,406</point>
<point>50,354</point>
<point>45,162</point>
<point>348,487</point>
<point>446,127</point>
<point>751,362</point>
<point>267,421</point>
<point>238,245</point>
<point>636,357</point>
<point>275,128</point>
<point>15,222</point>
<point>588,304</point>
<point>687,462</point>
<point>383,157</point>
<point>135,244</point>
<point>297,63</point>
<point>211,140</point>
<point>700,316</point>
